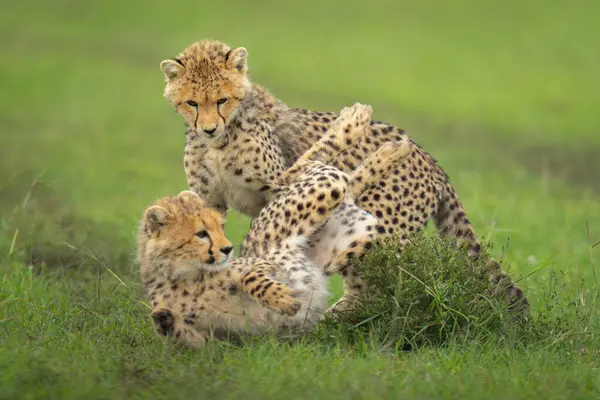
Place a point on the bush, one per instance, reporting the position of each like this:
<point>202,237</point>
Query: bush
<point>427,295</point>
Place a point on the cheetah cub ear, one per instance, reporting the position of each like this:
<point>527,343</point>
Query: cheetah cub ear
<point>191,196</point>
<point>172,68</point>
<point>236,58</point>
<point>155,218</point>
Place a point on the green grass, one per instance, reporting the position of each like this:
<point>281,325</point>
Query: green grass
<point>504,95</point>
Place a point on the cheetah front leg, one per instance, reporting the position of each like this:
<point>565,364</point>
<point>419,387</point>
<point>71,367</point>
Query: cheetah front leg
<point>268,292</point>
<point>200,178</point>
<point>168,323</point>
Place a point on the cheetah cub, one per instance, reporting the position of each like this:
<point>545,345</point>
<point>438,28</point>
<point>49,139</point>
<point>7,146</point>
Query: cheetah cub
<point>196,290</point>
<point>241,139</point>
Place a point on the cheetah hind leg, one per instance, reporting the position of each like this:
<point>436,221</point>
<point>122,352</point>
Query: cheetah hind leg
<point>368,174</point>
<point>351,124</point>
<point>378,165</point>
<point>373,168</point>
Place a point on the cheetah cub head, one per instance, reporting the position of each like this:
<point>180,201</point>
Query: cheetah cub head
<point>206,84</point>
<point>179,237</point>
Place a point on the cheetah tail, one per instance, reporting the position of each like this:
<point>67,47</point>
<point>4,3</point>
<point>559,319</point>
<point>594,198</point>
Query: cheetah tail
<point>451,221</point>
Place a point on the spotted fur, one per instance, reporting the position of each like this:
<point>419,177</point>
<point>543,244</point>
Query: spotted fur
<point>256,138</point>
<point>276,284</point>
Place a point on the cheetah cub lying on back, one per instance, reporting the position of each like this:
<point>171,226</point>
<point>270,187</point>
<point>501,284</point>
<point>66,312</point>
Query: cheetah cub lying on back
<point>194,288</point>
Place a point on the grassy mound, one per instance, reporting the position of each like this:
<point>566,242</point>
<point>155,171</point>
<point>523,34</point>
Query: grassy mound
<point>433,294</point>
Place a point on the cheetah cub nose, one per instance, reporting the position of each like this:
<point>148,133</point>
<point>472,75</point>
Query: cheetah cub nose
<point>226,250</point>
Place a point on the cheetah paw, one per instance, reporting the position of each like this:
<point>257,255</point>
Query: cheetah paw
<point>288,306</point>
<point>352,122</point>
<point>286,303</point>
<point>391,152</point>
<point>164,321</point>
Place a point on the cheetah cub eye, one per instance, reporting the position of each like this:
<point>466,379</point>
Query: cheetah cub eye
<point>192,103</point>
<point>202,234</point>
<point>222,101</point>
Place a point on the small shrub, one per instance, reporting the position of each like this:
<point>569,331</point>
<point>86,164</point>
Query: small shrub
<point>427,295</point>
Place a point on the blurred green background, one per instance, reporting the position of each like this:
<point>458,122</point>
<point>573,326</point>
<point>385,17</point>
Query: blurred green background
<point>504,94</point>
